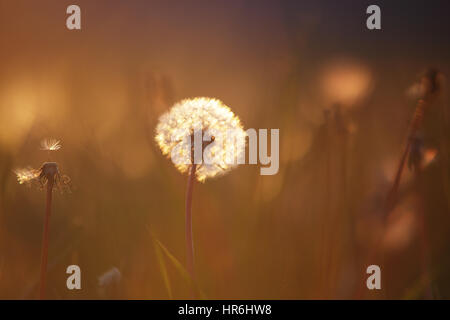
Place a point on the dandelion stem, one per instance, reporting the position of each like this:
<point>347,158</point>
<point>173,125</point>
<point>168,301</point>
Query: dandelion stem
<point>189,238</point>
<point>390,202</point>
<point>45,236</point>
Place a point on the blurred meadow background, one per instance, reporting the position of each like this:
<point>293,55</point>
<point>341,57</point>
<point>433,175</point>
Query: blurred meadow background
<point>341,95</point>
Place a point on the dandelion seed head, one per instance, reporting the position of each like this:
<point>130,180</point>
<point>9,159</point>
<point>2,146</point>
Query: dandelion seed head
<point>211,117</point>
<point>49,170</point>
<point>50,144</point>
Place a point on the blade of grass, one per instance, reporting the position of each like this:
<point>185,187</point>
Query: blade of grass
<point>163,268</point>
<point>177,264</point>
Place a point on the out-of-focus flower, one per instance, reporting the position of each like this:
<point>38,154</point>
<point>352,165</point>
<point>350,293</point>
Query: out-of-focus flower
<point>345,82</point>
<point>211,118</point>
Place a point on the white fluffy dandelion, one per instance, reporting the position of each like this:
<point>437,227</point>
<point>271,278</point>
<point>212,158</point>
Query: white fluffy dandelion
<point>220,145</point>
<point>212,118</point>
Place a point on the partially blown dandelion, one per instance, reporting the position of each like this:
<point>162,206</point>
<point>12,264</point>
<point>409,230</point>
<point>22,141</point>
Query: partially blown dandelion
<point>48,176</point>
<point>47,173</point>
<point>207,127</point>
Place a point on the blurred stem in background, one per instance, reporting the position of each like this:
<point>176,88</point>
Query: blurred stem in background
<point>431,90</point>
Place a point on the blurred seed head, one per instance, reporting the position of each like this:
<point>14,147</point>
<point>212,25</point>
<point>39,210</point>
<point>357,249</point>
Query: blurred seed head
<point>205,115</point>
<point>345,82</point>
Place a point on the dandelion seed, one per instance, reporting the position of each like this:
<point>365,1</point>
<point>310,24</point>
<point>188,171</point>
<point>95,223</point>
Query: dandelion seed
<point>205,115</point>
<point>26,175</point>
<point>50,145</point>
